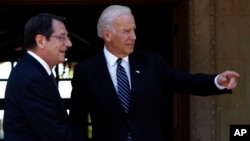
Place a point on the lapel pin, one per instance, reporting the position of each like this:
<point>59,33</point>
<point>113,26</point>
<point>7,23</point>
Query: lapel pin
<point>137,71</point>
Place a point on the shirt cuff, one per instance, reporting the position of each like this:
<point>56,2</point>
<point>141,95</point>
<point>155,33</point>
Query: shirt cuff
<point>217,84</point>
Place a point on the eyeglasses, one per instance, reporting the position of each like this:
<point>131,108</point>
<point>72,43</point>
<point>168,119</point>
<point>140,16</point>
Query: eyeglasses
<point>62,38</point>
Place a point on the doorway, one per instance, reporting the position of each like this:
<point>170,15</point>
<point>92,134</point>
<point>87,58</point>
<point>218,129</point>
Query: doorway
<point>159,28</point>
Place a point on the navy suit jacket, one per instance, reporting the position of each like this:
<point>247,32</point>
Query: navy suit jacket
<point>33,107</point>
<point>93,92</point>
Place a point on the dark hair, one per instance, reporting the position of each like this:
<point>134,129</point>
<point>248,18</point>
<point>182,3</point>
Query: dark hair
<point>39,24</point>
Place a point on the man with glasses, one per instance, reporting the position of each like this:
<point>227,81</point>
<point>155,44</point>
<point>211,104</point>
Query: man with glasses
<point>34,110</point>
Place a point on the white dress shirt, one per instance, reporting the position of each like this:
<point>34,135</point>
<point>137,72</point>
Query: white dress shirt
<point>112,65</point>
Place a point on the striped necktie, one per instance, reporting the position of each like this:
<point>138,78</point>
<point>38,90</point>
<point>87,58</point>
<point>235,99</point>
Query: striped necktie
<point>123,85</point>
<point>123,88</point>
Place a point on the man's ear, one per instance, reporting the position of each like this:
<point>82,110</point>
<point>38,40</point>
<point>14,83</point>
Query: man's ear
<point>40,40</point>
<point>106,34</point>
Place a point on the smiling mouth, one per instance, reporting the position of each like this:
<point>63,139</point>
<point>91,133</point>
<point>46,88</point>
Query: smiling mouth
<point>130,45</point>
<point>63,51</point>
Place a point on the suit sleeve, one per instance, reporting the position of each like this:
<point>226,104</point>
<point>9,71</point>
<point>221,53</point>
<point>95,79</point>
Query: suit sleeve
<point>182,82</point>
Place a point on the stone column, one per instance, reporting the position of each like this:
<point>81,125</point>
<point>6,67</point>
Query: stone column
<point>202,59</point>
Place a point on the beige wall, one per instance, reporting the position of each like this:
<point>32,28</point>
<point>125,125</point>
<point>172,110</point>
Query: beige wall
<point>220,40</point>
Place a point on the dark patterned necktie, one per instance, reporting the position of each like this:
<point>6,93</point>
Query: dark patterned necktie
<point>123,88</point>
<point>123,85</point>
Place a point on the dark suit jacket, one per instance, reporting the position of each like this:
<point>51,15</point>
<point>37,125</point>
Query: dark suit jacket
<point>93,92</point>
<point>33,107</point>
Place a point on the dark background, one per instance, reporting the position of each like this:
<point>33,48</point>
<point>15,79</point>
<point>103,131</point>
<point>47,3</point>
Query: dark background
<point>154,29</point>
<point>154,32</point>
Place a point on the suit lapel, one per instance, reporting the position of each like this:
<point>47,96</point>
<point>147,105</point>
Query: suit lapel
<point>136,74</point>
<point>41,69</point>
<point>103,76</point>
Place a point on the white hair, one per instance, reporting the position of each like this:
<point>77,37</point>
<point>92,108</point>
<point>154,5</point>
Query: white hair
<point>108,16</point>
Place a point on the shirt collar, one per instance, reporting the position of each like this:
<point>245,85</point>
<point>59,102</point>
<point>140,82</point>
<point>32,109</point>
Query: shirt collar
<point>110,58</point>
<point>41,61</point>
